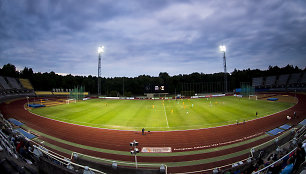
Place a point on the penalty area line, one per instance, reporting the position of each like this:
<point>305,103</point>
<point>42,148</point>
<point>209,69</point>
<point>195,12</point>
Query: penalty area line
<point>166,116</point>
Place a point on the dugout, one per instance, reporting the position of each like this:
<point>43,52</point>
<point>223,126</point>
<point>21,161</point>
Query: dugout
<point>157,95</point>
<point>156,91</point>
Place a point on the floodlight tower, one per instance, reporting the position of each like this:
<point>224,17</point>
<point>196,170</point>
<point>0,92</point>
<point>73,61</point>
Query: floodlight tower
<point>100,51</point>
<point>223,49</point>
<point>134,150</point>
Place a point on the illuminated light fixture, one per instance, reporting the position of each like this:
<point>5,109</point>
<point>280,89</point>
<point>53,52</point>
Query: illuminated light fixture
<point>100,49</point>
<point>222,48</point>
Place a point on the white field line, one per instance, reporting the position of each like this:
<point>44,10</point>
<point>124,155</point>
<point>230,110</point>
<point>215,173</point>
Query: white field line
<point>166,117</point>
<point>155,127</point>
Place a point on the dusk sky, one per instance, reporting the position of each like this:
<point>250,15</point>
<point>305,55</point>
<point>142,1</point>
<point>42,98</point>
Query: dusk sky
<point>151,36</point>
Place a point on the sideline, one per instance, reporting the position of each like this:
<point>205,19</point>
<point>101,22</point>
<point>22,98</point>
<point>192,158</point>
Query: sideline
<point>166,116</point>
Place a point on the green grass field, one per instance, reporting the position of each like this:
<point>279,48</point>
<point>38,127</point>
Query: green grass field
<point>161,115</point>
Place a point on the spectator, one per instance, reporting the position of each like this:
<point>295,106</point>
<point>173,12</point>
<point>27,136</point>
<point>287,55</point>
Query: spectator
<point>294,114</point>
<point>228,172</point>
<point>19,145</point>
<point>304,146</point>
<point>288,169</point>
<point>216,170</point>
<point>299,156</point>
<point>23,152</point>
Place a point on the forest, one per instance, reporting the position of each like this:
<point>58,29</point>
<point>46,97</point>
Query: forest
<point>131,86</point>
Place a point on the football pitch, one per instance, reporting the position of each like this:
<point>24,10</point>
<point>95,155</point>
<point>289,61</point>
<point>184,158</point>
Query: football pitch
<point>162,115</point>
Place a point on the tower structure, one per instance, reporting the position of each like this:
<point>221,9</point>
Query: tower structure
<point>100,51</point>
<point>223,49</point>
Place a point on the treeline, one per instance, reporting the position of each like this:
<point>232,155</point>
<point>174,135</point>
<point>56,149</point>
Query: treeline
<point>136,85</point>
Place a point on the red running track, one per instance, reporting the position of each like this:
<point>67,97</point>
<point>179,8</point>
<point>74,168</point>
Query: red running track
<point>178,140</point>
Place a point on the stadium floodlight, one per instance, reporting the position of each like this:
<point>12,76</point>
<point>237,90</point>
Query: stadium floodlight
<point>100,49</point>
<point>222,48</point>
<point>134,150</point>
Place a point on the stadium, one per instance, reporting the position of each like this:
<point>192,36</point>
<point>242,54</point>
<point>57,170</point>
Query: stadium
<point>182,133</point>
<point>152,87</point>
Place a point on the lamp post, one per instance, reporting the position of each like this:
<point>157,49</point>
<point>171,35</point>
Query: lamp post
<point>223,49</point>
<point>28,100</point>
<point>134,150</point>
<point>123,86</point>
<point>100,51</point>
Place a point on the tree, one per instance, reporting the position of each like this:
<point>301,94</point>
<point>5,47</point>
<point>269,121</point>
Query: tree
<point>26,73</point>
<point>199,82</point>
<point>9,70</point>
<point>164,76</point>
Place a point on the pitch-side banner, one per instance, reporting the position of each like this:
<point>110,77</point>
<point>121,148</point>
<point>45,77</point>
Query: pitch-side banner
<point>156,149</point>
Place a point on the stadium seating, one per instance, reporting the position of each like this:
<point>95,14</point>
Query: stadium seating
<point>13,82</point>
<point>43,93</point>
<point>2,90</point>
<point>270,81</point>
<point>257,82</point>
<point>35,158</point>
<point>61,93</point>
<point>4,83</point>
<point>303,79</point>
<point>26,84</point>
<point>12,88</point>
<point>294,79</point>
<point>282,80</point>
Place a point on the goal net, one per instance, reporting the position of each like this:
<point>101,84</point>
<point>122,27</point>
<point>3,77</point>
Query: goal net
<point>77,93</point>
<point>246,89</point>
<point>70,101</point>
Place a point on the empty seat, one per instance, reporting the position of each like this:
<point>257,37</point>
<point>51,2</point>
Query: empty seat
<point>26,84</point>
<point>294,78</point>
<point>43,93</point>
<point>257,81</point>
<point>303,79</point>
<point>13,82</point>
<point>4,83</point>
<point>270,81</point>
<point>282,80</point>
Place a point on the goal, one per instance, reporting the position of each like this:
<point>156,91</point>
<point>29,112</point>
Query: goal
<point>70,101</point>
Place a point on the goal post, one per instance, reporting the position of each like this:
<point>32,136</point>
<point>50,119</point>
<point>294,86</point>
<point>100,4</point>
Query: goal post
<point>77,93</point>
<point>254,97</point>
<point>68,101</point>
<point>246,89</point>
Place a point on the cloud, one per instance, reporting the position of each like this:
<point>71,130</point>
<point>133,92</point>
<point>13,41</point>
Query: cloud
<point>148,37</point>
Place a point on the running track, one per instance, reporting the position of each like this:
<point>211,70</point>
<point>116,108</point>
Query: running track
<point>101,138</point>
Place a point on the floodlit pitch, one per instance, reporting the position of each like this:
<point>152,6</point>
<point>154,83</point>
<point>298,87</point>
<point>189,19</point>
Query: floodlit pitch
<point>162,115</point>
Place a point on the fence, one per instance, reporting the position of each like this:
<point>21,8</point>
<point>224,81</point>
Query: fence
<point>291,135</point>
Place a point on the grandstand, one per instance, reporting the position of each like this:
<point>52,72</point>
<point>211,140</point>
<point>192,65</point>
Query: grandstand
<point>257,82</point>
<point>4,84</point>
<point>303,79</point>
<point>13,82</point>
<point>11,88</point>
<point>294,79</point>
<point>14,88</point>
<point>270,81</point>
<point>52,154</point>
<point>291,82</point>
<point>43,93</point>
<point>26,84</point>
<point>282,80</point>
